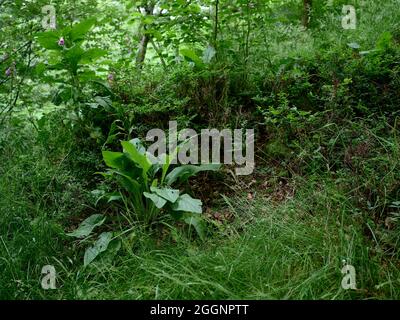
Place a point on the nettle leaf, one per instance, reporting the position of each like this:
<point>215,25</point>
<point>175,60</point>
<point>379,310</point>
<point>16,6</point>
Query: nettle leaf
<point>157,200</point>
<point>87,226</point>
<point>49,40</point>
<point>168,194</point>
<point>100,246</point>
<point>187,204</point>
<point>183,173</point>
<point>79,30</point>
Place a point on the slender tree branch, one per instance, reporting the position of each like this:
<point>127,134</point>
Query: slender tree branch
<point>216,23</point>
<point>159,53</point>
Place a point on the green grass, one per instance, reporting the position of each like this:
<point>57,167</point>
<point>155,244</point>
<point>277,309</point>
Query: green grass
<point>345,172</point>
<point>288,250</point>
<point>293,251</point>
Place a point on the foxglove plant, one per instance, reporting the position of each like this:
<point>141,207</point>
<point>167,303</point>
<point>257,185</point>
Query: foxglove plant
<point>61,42</point>
<point>146,188</point>
<point>148,183</point>
<point>71,57</point>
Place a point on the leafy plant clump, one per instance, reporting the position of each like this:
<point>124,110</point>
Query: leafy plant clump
<point>148,189</point>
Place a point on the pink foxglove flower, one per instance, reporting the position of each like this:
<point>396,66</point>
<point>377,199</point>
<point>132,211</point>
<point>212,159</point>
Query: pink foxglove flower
<point>61,42</point>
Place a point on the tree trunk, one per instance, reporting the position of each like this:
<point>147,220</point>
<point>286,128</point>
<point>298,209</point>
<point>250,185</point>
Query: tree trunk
<point>307,4</point>
<point>141,55</point>
<point>215,36</point>
<point>144,42</point>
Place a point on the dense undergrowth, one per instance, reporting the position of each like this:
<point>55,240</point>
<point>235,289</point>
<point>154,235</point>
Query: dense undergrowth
<point>325,191</point>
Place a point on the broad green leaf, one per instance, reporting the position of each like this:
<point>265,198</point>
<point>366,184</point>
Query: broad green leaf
<point>99,194</point>
<point>92,54</point>
<point>168,194</point>
<point>187,204</point>
<point>138,145</point>
<point>157,200</point>
<point>87,75</point>
<point>87,226</point>
<point>148,19</point>
<point>137,157</point>
<point>103,84</point>
<point>136,15</point>
<point>183,173</point>
<point>49,40</point>
<point>107,258</point>
<point>191,55</point>
<point>354,45</point>
<point>113,159</point>
<point>166,160</point>
<point>198,223</point>
<point>195,8</point>
<point>129,184</point>
<point>115,196</point>
<point>73,56</point>
<point>363,53</point>
<point>122,163</point>
<point>100,246</point>
<point>79,30</point>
